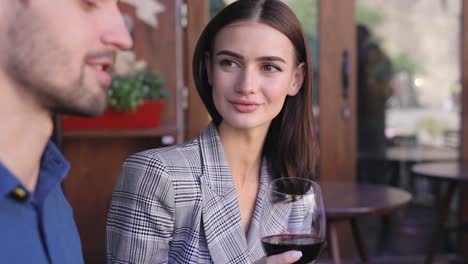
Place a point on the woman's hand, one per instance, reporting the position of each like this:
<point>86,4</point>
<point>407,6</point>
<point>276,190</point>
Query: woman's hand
<point>283,258</point>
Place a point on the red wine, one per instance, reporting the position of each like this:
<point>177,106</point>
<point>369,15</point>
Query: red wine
<point>309,245</point>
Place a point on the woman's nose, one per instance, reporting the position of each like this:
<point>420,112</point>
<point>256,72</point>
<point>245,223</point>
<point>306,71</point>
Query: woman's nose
<point>247,82</point>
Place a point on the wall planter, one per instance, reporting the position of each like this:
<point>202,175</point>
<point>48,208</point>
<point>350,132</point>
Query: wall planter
<point>147,115</point>
<point>135,101</point>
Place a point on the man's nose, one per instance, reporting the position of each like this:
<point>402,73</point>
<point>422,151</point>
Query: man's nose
<point>116,34</point>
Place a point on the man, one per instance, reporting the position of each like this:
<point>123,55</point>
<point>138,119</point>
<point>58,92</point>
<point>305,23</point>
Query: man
<point>55,57</point>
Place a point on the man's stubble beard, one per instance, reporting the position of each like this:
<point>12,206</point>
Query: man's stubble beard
<point>39,66</point>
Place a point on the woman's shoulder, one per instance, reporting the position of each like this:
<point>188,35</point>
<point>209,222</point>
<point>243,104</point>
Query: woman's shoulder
<point>160,169</point>
<point>178,163</point>
<point>187,154</point>
<point>170,156</point>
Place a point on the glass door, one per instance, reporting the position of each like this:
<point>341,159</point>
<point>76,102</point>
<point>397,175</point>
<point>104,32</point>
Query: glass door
<point>409,108</point>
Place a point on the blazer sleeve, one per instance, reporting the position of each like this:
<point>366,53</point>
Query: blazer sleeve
<point>141,215</point>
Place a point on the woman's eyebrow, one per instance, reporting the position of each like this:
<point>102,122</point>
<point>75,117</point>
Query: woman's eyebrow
<point>271,58</point>
<point>230,53</point>
<point>263,58</point>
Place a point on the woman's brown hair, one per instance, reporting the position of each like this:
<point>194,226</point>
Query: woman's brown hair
<point>291,145</point>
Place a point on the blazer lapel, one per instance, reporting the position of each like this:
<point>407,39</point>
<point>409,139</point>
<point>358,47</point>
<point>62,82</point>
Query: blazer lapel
<point>275,224</point>
<point>220,212</point>
<point>221,218</point>
<point>253,236</point>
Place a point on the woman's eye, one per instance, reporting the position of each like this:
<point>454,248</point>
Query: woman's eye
<point>90,3</point>
<point>228,63</point>
<point>270,68</point>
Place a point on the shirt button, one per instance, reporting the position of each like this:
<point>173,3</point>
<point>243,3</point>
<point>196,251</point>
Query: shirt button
<point>19,193</point>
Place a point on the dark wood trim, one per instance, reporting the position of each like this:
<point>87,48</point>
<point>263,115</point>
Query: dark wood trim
<point>121,133</point>
<point>162,49</point>
<point>464,119</point>
<point>337,33</point>
<point>197,17</point>
<point>179,70</point>
<point>464,81</point>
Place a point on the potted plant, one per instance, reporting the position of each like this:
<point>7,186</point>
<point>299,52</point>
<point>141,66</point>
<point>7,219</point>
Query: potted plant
<point>135,101</point>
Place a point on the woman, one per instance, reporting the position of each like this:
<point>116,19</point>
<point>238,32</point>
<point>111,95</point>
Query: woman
<point>199,202</point>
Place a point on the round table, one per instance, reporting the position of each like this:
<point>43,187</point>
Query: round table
<point>421,154</point>
<point>450,173</point>
<point>347,201</point>
<point>399,159</point>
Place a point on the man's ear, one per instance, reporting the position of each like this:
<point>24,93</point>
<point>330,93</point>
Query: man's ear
<point>298,80</point>
<point>208,66</point>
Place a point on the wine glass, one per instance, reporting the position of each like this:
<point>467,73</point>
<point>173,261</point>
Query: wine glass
<point>293,218</point>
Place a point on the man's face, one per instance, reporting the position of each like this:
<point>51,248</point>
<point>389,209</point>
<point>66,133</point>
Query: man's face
<point>61,52</point>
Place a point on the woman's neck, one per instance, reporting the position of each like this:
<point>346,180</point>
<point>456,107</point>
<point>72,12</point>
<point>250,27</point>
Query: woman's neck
<point>243,149</point>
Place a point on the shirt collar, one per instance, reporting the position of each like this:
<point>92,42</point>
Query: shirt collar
<point>53,170</point>
<point>7,181</point>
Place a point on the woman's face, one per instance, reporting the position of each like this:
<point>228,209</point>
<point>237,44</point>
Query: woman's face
<point>252,69</point>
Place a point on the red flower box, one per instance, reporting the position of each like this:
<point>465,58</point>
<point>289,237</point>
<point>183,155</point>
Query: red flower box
<point>147,115</point>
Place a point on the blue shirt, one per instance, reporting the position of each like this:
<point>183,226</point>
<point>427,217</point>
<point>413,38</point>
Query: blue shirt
<point>38,227</point>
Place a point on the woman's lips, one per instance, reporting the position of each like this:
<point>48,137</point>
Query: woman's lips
<point>245,107</point>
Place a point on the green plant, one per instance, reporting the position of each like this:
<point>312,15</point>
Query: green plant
<point>216,6</point>
<point>306,11</point>
<point>126,93</point>
<point>370,17</point>
<point>433,126</point>
<point>405,62</point>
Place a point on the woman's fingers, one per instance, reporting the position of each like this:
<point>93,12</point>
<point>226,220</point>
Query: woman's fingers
<point>283,258</point>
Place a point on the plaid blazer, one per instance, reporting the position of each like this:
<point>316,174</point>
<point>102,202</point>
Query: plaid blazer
<point>179,205</point>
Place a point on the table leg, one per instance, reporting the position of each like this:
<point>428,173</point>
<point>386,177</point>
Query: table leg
<point>359,240</point>
<point>443,209</point>
<point>393,172</point>
<point>334,248</point>
<point>384,233</point>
